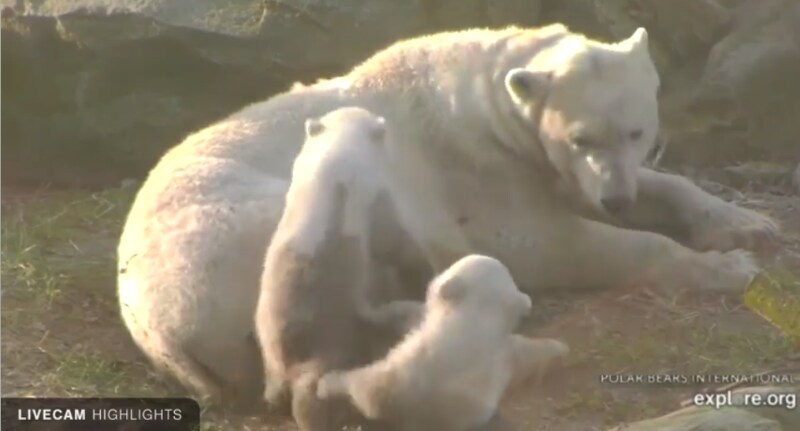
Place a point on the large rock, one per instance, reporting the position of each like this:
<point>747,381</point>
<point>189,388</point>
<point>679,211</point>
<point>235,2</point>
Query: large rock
<point>94,97</point>
<point>95,90</point>
<point>681,31</point>
<point>748,92</point>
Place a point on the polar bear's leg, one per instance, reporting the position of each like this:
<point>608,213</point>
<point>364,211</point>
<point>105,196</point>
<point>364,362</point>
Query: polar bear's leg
<point>534,357</point>
<point>313,413</point>
<point>173,360</point>
<point>585,253</point>
<point>422,206</point>
<point>439,237</point>
<point>190,262</point>
<point>676,206</point>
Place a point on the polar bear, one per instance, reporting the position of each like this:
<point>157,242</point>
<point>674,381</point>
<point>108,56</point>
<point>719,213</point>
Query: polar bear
<point>522,144</point>
<point>450,373</point>
<point>313,313</point>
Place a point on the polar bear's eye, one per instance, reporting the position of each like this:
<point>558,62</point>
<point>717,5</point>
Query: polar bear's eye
<point>635,135</point>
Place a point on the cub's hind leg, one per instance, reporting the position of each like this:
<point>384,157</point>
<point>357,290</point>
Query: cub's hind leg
<point>315,414</point>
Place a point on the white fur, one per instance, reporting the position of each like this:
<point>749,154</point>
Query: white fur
<point>348,156</point>
<point>318,264</point>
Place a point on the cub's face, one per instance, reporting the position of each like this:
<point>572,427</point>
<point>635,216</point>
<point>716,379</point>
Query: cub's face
<point>596,113</point>
<point>483,285</point>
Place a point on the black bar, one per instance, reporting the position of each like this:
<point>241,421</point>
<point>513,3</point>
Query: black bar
<point>100,414</point>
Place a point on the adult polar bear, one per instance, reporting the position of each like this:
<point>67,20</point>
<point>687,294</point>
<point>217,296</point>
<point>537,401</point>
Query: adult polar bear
<point>502,142</point>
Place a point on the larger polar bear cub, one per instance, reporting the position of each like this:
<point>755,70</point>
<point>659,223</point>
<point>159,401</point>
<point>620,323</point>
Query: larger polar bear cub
<point>522,144</point>
<point>313,315</point>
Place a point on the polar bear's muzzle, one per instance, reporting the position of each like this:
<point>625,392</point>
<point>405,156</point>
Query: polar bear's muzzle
<point>608,184</point>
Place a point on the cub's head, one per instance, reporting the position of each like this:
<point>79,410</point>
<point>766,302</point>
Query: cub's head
<point>590,108</point>
<point>343,147</point>
<point>482,284</point>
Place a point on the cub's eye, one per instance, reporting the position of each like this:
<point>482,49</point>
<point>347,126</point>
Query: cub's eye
<point>583,142</point>
<point>635,135</point>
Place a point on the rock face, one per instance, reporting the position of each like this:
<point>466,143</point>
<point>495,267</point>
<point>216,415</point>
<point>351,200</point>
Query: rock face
<point>754,70</point>
<point>94,91</point>
<point>93,97</point>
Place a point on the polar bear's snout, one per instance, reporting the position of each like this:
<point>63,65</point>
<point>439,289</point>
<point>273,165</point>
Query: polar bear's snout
<point>608,180</point>
<point>618,191</point>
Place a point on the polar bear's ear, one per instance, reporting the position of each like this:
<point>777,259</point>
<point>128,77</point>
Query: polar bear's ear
<point>314,127</point>
<point>525,85</point>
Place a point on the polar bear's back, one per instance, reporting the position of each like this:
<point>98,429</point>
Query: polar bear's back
<point>192,249</point>
<point>222,184</point>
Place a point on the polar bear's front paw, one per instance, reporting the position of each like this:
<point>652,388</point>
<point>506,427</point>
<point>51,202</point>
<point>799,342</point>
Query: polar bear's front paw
<point>731,227</point>
<point>535,357</point>
<point>730,271</point>
<point>330,385</point>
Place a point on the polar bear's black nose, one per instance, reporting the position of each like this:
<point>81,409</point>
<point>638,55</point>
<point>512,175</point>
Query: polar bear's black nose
<point>616,204</point>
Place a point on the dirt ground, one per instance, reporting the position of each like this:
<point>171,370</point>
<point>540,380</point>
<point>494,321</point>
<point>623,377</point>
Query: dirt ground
<point>62,336</point>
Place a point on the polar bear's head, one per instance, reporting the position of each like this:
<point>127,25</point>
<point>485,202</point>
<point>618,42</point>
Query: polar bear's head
<point>593,107</point>
<point>342,160</point>
<point>344,147</point>
<point>480,285</point>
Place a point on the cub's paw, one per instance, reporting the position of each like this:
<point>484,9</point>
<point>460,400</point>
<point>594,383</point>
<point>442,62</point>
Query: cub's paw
<point>730,271</point>
<point>277,395</point>
<point>330,385</point>
<point>730,227</point>
<point>535,357</point>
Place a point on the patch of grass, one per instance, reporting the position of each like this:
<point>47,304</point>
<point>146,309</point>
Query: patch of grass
<point>49,244</point>
<point>58,273</point>
<point>715,350</point>
<point>79,373</point>
<point>613,405</point>
<point>717,344</point>
<point>688,346</point>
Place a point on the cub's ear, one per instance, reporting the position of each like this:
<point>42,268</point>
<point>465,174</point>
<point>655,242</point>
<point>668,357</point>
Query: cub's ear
<point>314,127</point>
<point>525,304</point>
<point>526,85</point>
<point>452,291</point>
<point>378,132</point>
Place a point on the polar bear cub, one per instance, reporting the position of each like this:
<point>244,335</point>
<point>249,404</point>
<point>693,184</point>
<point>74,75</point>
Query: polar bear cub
<point>451,372</point>
<point>313,314</point>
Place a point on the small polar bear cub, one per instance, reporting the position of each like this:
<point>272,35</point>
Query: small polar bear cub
<point>450,373</point>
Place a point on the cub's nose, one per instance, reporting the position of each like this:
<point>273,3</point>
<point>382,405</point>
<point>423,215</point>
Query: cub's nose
<point>616,204</point>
